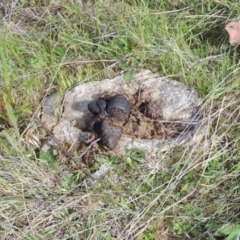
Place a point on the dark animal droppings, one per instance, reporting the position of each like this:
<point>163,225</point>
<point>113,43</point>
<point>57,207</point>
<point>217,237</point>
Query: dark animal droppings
<point>98,108</point>
<point>119,107</point>
<point>91,123</point>
<point>93,108</point>
<point>111,135</point>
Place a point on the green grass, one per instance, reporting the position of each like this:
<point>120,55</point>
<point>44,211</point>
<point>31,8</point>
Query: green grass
<point>190,192</point>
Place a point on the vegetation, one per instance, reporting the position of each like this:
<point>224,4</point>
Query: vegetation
<point>190,192</point>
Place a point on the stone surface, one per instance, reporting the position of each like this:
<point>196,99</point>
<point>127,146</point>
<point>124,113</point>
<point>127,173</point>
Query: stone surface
<point>51,110</point>
<point>166,99</point>
<point>177,101</point>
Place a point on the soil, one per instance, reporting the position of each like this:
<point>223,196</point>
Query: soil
<point>140,126</point>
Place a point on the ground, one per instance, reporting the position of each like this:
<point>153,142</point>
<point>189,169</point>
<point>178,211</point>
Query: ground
<point>188,192</point>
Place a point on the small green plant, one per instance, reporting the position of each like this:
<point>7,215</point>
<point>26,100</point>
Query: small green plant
<point>181,227</point>
<point>128,71</point>
<point>7,101</point>
<point>48,160</point>
<point>231,231</point>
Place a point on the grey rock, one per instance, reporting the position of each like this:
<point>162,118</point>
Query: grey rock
<point>51,110</point>
<point>176,101</point>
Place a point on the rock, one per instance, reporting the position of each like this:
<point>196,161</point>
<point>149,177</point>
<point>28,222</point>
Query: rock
<point>156,99</point>
<point>67,134</point>
<point>176,101</point>
<point>51,110</point>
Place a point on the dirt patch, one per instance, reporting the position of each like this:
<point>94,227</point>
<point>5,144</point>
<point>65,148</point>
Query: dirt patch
<point>142,126</point>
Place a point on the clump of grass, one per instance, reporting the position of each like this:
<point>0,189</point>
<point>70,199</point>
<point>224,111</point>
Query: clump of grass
<point>190,192</point>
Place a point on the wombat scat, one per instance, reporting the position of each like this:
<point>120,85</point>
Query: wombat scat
<point>98,108</point>
<point>91,123</point>
<point>111,135</point>
<point>119,107</point>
